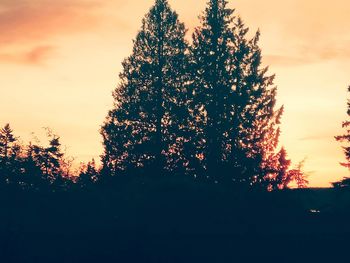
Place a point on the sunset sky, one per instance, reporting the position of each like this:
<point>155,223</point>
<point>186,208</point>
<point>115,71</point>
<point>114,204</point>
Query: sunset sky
<point>59,62</point>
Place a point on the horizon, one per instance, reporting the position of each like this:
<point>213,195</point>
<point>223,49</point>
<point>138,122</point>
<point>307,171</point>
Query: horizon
<point>64,60</point>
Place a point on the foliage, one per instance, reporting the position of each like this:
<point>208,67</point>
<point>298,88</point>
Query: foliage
<point>147,126</point>
<point>346,137</point>
<point>33,166</point>
<point>88,175</point>
<point>235,95</point>
<point>207,110</point>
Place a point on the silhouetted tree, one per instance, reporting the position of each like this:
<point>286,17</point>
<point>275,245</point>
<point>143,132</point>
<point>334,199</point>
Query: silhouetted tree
<point>88,174</point>
<point>144,128</point>
<point>9,154</point>
<point>49,158</point>
<point>254,133</point>
<point>34,177</point>
<point>7,139</point>
<point>234,97</point>
<point>344,183</point>
<point>298,176</point>
<point>19,165</point>
<point>279,175</point>
<point>346,137</point>
<point>212,83</point>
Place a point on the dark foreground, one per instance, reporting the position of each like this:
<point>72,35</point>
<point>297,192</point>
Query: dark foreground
<point>174,222</point>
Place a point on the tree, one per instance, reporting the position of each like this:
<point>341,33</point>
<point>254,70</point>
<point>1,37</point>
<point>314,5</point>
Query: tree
<point>279,174</point>
<point>298,176</point>
<point>33,175</point>
<point>144,127</point>
<point>16,164</point>
<point>346,137</point>
<point>7,141</point>
<point>9,155</point>
<point>239,128</point>
<point>88,174</point>
<point>48,158</point>
<point>33,166</point>
<point>255,122</point>
<point>212,82</point>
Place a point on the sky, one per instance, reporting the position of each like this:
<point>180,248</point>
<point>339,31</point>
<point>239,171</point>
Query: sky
<point>60,60</point>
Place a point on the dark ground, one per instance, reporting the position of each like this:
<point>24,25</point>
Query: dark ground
<point>174,222</point>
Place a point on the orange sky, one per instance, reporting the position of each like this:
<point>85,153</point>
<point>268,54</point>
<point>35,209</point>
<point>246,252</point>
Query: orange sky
<point>59,62</point>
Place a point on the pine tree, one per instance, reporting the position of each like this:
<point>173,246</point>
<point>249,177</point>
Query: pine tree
<point>298,176</point>
<point>49,158</point>
<point>212,82</point>
<point>255,129</point>
<point>147,126</point>
<point>234,95</point>
<point>346,137</point>
<point>88,175</point>
<point>277,171</point>
<point>34,177</point>
<point>9,155</point>
<point>7,140</point>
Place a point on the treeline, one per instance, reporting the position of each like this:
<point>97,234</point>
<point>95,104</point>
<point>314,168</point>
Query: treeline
<point>39,168</point>
<point>204,110</point>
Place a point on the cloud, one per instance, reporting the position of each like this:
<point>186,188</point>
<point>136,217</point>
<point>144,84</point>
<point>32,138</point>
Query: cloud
<point>300,32</point>
<point>24,20</point>
<point>319,137</point>
<point>35,56</point>
<point>309,54</point>
<point>25,24</point>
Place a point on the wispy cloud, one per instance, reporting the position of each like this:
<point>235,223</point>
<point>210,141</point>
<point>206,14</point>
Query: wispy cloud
<point>308,54</point>
<point>301,32</point>
<point>24,20</point>
<point>34,56</point>
<point>28,23</point>
<point>319,137</point>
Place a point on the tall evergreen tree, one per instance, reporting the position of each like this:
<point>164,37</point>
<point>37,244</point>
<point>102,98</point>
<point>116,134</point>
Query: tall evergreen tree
<point>211,53</point>
<point>144,128</point>
<point>235,96</point>
<point>255,129</point>
<point>346,137</point>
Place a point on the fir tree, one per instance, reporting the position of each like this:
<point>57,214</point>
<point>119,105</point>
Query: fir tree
<point>9,155</point>
<point>212,82</point>
<point>346,137</point>
<point>7,140</point>
<point>279,178</point>
<point>88,175</point>
<point>147,126</point>
<point>33,174</point>
<point>255,129</point>
<point>49,158</point>
<point>235,95</point>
